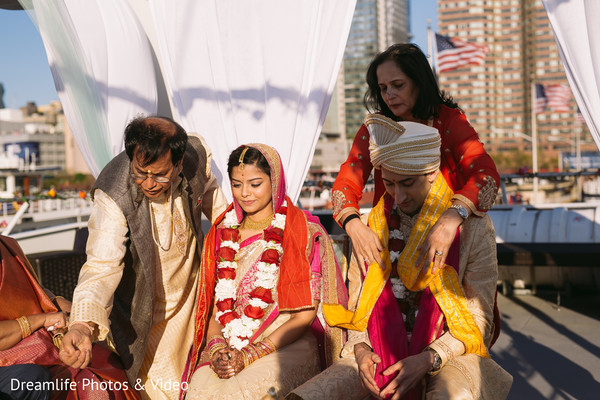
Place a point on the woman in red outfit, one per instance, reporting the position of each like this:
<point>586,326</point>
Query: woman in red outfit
<point>402,87</point>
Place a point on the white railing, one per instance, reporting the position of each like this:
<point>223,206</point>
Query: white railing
<point>40,206</point>
<point>44,210</point>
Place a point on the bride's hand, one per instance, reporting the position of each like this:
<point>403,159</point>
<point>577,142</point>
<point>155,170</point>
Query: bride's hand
<point>220,364</point>
<point>237,360</point>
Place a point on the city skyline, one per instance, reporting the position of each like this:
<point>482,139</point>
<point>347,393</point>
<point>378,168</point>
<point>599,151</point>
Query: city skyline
<point>26,76</point>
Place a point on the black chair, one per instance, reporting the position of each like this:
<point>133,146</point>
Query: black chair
<point>58,271</point>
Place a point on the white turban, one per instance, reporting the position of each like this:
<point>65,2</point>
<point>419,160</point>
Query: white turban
<point>406,148</point>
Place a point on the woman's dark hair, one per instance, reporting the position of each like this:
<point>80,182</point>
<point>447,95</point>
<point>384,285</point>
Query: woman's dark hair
<point>151,137</point>
<point>252,156</point>
<point>411,60</point>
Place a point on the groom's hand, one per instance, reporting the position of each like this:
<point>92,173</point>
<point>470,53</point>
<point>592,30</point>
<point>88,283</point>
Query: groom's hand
<point>367,362</point>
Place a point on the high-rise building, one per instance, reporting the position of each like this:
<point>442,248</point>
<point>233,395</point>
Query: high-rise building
<point>497,96</point>
<point>376,25</point>
<point>41,135</point>
<point>331,149</point>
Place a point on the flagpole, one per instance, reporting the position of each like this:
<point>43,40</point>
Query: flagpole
<point>429,43</point>
<point>534,155</point>
<point>432,50</point>
<point>578,152</point>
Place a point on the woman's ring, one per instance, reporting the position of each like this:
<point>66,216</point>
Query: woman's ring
<point>438,253</point>
<point>229,355</point>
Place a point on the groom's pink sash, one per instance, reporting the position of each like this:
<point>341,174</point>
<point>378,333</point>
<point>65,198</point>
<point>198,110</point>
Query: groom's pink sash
<point>388,334</point>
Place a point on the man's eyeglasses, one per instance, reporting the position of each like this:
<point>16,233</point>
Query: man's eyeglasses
<point>155,178</point>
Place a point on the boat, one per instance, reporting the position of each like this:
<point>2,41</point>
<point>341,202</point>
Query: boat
<point>41,221</point>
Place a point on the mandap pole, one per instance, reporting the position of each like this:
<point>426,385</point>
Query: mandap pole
<point>534,155</point>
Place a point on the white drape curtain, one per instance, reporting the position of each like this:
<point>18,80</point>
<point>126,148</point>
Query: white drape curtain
<point>253,71</point>
<point>235,71</point>
<point>102,66</point>
<point>577,32</point>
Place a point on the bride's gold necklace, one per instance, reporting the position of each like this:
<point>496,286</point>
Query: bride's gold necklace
<point>261,225</point>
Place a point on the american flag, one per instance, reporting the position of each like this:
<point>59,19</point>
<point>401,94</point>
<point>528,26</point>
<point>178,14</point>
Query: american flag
<point>452,53</point>
<point>579,117</point>
<point>558,97</point>
<point>540,98</point>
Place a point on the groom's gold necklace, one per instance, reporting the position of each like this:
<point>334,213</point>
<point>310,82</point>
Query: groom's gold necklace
<point>247,223</point>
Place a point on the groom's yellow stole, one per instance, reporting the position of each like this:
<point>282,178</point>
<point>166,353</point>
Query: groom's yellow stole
<point>444,285</point>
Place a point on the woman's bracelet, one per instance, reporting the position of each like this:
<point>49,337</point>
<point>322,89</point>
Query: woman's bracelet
<point>214,344</point>
<point>215,339</point>
<point>214,349</point>
<point>269,343</point>
<point>25,326</point>
<point>348,219</point>
<point>253,352</point>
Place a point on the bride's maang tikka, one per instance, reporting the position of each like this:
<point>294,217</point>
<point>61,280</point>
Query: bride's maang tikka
<point>241,159</point>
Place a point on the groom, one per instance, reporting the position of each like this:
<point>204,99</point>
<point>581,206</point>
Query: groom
<point>414,330</point>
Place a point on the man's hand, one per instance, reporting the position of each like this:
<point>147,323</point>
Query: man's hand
<point>367,363</point>
<point>410,371</point>
<point>365,244</point>
<point>63,304</point>
<point>76,347</point>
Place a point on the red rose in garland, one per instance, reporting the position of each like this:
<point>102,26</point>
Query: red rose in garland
<point>396,245</point>
<point>274,234</point>
<point>254,312</point>
<point>270,256</point>
<point>226,304</point>
<point>262,294</point>
<point>226,273</point>
<point>227,317</point>
<point>230,234</point>
<point>226,253</point>
<point>394,221</point>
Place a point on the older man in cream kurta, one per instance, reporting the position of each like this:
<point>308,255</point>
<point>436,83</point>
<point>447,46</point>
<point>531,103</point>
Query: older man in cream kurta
<point>139,284</point>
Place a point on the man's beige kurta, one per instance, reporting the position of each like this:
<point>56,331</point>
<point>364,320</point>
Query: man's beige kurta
<point>175,279</point>
<point>176,285</point>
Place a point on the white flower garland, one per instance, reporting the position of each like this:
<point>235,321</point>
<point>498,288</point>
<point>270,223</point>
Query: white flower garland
<point>398,288</point>
<point>238,330</point>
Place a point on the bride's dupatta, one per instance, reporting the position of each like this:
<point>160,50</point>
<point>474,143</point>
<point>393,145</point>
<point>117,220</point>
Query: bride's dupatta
<point>294,285</point>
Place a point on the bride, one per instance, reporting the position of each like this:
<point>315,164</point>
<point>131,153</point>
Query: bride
<point>270,266</point>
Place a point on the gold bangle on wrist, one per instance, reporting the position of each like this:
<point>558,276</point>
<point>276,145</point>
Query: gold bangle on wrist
<point>25,326</point>
<point>245,357</point>
<point>267,341</point>
<point>215,348</point>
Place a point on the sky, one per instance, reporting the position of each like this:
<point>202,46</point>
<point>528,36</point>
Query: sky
<point>25,74</point>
